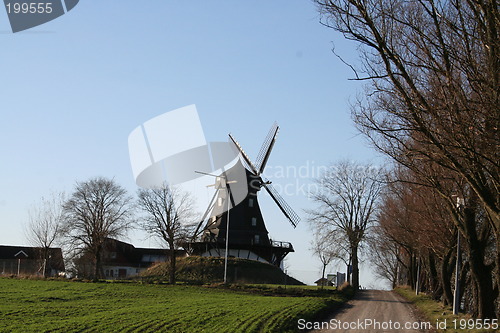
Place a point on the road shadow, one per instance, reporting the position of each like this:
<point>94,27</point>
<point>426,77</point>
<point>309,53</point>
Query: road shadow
<point>364,295</point>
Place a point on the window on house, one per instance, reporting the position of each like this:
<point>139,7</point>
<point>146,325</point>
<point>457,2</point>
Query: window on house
<point>254,221</point>
<point>219,201</point>
<point>250,203</point>
<point>112,255</point>
<point>256,239</point>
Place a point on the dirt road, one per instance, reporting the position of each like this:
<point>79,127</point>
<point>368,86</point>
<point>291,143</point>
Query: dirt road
<point>373,311</point>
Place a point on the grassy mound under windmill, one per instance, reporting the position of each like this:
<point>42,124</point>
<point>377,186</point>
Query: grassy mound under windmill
<point>195,269</point>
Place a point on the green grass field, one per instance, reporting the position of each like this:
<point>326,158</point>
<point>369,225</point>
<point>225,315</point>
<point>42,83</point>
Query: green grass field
<point>64,306</point>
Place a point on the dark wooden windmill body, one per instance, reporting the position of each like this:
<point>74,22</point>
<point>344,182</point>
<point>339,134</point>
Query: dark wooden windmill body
<point>248,236</point>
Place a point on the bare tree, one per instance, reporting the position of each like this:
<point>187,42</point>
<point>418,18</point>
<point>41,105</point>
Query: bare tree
<point>168,214</point>
<point>433,69</point>
<point>385,256</point>
<point>415,217</point>
<point>346,206</point>
<point>44,227</point>
<point>98,209</point>
<point>326,251</point>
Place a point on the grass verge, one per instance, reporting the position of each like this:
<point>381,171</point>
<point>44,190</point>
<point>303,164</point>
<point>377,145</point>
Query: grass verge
<point>442,317</point>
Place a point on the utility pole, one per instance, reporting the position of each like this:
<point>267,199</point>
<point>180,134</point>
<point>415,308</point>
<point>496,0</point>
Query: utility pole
<point>417,287</point>
<point>227,231</point>
<point>456,294</point>
<point>220,183</point>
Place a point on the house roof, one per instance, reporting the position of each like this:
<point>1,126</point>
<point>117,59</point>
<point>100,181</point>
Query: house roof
<point>323,280</point>
<point>35,253</point>
<point>320,280</point>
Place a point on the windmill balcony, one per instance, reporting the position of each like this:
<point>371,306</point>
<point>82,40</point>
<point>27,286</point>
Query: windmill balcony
<point>280,244</point>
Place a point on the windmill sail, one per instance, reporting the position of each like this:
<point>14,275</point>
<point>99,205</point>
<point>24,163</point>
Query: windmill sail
<point>245,156</point>
<point>264,153</point>
<point>285,208</point>
<point>205,215</point>
<point>267,146</point>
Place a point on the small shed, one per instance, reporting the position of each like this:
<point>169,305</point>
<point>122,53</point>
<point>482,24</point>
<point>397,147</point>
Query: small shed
<point>323,282</point>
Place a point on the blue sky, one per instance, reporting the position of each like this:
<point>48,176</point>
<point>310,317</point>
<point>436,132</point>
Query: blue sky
<point>74,88</point>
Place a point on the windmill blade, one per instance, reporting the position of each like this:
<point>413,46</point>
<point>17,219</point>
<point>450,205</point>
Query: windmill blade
<point>231,198</point>
<point>285,208</point>
<point>245,156</point>
<point>267,146</point>
<point>210,205</point>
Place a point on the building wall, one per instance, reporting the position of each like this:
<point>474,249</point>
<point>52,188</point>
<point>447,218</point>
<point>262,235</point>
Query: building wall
<point>121,272</point>
<point>30,267</point>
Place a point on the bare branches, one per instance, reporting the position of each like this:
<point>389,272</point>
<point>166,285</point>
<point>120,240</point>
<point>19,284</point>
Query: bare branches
<point>45,226</point>
<point>327,251</point>
<point>434,69</point>
<point>45,221</point>
<point>98,209</point>
<point>348,197</point>
<point>346,207</point>
<point>168,215</point>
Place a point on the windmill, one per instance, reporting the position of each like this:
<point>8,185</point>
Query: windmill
<point>247,236</point>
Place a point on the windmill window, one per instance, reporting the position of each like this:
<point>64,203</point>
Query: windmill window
<point>250,203</point>
<point>256,239</point>
<point>254,221</point>
<point>219,202</point>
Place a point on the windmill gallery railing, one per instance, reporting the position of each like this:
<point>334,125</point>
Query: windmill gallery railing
<point>285,245</point>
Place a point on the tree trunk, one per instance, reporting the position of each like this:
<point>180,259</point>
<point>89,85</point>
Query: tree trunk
<point>394,280</point>
<point>446,277</point>
<point>482,276</point>
<point>97,265</point>
<point>434,281</point>
<point>172,264</point>
<point>348,272</point>
<point>412,281</point>
<point>355,268</point>
<point>497,287</point>
<point>45,262</point>
<point>323,276</point>
<point>481,273</point>
<point>463,279</point>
